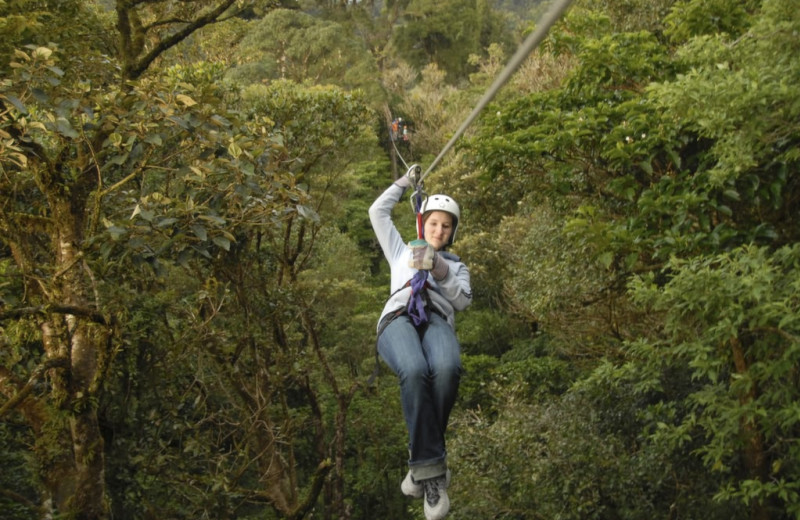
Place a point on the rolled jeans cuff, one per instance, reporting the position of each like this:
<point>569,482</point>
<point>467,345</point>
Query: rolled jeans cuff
<point>424,470</point>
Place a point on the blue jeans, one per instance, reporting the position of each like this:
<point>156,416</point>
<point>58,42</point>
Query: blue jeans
<point>427,361</point>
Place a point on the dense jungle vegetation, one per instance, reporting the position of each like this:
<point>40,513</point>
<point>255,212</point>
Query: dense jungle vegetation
<point>189,285</point>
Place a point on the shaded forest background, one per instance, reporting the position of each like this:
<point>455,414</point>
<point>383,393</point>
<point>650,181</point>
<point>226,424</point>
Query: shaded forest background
<point>189,285</point>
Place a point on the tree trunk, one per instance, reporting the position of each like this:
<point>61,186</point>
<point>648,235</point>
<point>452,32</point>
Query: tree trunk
<point>754,456</point>
<point>75,390</point>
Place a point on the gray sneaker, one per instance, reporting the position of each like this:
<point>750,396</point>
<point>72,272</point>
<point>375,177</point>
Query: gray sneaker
<point>437,503</point>
<point>413,489</point>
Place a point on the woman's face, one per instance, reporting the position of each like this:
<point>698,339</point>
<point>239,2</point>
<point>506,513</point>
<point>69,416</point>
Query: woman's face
<point>438,228</point>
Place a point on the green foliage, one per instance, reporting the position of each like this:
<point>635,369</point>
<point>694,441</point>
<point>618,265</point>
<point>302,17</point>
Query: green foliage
<point>184,181</point>
<point>608,139</point>
<point>482,331</point>
<point>617,66</point>
<point>536,378</point>
<point>522,373</point>
<point>160,403</point>
<point>331,133</point>
<point>633,15</point>
<point>355,202</point>
<point>377,456</point>
<point>664,162</point>
<point>475,389</point>
<point>292,45</point>
<point>344,303</point>
<point>432,106</point>
<point>731,321</point>
<point>216,43</point>
<point>544,275</point>
<point>573,455</point>
<point>127,131</point>
<point>551,461</point>
<point>17,474</point>
<point>315,122</point>
<point>226,233</point>
<point>447,33</point>
<point>733,185</point>
<point>689,18</point>
<point>555,142</point>
<point>39,23</point>
<point>282,315</point>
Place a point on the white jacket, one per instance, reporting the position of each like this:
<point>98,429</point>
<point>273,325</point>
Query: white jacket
<point>450,294</point>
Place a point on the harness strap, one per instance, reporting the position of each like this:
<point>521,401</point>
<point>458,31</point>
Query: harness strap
<point>417,300</point>
<point>419,296</point>
<point>381,327</point>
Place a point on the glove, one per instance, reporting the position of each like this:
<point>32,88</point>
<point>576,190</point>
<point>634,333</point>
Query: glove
<point>440,267</point>
<point>414,174</point>
<point>421,255</point>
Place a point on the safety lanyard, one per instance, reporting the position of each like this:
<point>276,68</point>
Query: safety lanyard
<point>418,299</point>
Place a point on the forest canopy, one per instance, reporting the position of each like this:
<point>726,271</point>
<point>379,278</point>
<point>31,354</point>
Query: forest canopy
<point>189,284</point>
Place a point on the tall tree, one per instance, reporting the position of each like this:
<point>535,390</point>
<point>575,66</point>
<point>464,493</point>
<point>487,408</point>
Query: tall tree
<point>73,142</point>
<point>447,33</point>
<point>658,179</point>
<point>146,29</point>
<point>293,45</point>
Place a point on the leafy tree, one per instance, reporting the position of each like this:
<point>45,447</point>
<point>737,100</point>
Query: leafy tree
<point>431,106</point>
<point>146,30</point>
<point>72,148</point>
<point>671,163</point>
<point>33,22</point>
<point>550,166</point>
<point>265,323</point>
<point>730,321</point>
<point>447,33</point>
<point>692,18</point>
<point>117,139</point>
<point>746,130</point>
<point>292,45</point>
<point>633,15</point>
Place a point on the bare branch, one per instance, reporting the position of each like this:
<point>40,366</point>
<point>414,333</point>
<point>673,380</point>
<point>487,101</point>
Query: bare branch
<point>36,376</point>
<point>42,310</point>
<point>134,68</point>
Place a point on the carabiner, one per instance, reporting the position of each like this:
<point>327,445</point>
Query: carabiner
<point>414,173</point>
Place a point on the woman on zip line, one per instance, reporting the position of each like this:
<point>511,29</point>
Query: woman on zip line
<point>416,331</point>
<point>416,334</point>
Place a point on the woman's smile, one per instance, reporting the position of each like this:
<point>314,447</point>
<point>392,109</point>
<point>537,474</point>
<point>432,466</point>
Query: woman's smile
<point>438,228</point>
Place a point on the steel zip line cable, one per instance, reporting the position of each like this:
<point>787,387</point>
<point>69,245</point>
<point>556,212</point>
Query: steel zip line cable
<point>530,43</point>
<point>399,155</point>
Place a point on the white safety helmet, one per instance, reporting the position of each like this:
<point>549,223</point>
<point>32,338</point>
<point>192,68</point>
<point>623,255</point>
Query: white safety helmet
<point>444,203</point>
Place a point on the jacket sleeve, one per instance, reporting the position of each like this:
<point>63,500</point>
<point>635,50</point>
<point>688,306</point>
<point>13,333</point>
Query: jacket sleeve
<point>455,287</point>
<point>380,216</point>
